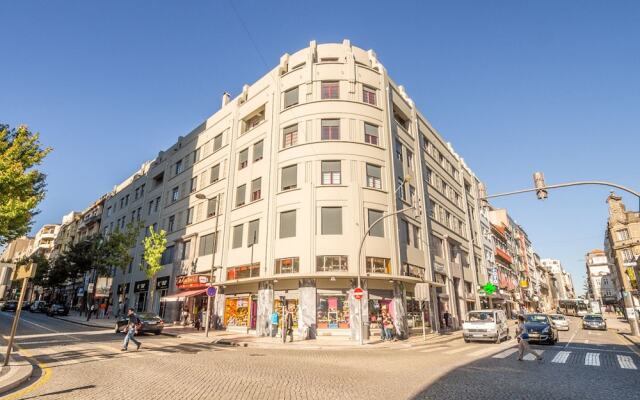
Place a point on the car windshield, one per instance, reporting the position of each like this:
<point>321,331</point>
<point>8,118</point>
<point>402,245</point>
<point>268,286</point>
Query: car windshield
<point>538,318</point>
<point>593,318</point>
<point>556,317</point>
<point>146,315</point>
<point>481,317</point>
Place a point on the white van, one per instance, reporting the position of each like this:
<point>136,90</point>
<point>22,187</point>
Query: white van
<point>485,325</point>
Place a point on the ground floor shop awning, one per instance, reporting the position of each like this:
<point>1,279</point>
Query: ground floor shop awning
<point>183,295</point>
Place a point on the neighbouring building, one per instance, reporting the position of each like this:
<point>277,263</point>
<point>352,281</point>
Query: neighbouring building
<point>563,281</point>
<point>44,239</point>
<point>14,251</point>
<point>602,283</point>
<point>622,243</point>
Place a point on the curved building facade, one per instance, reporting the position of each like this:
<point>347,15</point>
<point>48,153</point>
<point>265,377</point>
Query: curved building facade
<point>276,190</point>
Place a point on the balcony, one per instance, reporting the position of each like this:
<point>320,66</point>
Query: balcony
<point>503,255</point>
<point>413,271</point>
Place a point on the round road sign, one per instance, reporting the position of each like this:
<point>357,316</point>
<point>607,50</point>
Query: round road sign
<point>357,293</point>
<point>211,291</point>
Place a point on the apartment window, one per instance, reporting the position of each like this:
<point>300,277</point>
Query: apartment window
<point>437,246</point>
<point>237,236</point>
<point>289,265</point>
<point>243,272</point>
<point>627,256</point>
<point>377,265</point>
<point>429,175</point>
<point>409,159</point>
<point>126,200</point>
<point>369,95</point>
<point>431,210</point>
<point>193,186</point>
<point>332,264</point>
<point>189,215</point>
<point>371,134</point>
<point>623,234</point>
<point>207,244</point>
<point>158,179</point>
<point>217,142</point>
<point>331,173</point>
<point>167,255</point>
<point>196,155</point>
<point>257,151</point>
<point>175,194</point>
<point>290,177</point>
<point>331,220</point>
<point>138,212</point>
<point>290,136</point>
<point>401,191</point>
<point>215,173</point>
<point>330,90</point>
<point>212,206</point>
<point>374,176</point>
<point>254,119</point>
<point>256,189</point>
<point>291,97</point>
<point>109,210</point>
<point>240,195</point>
<point>406,231</point>
<point>287,224</point>
<point>178,167</point>
<point>137,194</point>
<point>243,159</point>
<point>252,232</point>
<point>412,193</point>
<point>399,151</point>
<point>171,224</point>
<point>416,236</point>
<point>186,250</point>
<point>150,208</point>
<point>157,204</point>
<point>377,229</point>
<point>330,129</point>
<point>122,203</point>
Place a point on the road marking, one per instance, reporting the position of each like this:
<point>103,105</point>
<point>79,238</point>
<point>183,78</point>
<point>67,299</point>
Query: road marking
<point>592,348</point>
<point>434,349</point>
<point>454,351</point>
<point>571,339</point>
<point>561,357</point>
<point>506,353</point>
<point>626,362</point>
<point>592,359</point>
<point>531,357</point>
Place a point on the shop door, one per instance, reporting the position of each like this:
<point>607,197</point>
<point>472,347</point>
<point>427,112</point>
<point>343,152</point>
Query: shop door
<point>254,312</point>
<point>141,301</point>
<point>161,306</point>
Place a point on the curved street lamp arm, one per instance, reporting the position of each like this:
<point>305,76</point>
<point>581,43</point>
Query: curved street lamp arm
<point>579,183</point>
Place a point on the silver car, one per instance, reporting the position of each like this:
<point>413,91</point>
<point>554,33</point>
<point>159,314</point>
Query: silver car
<point>560,322</point>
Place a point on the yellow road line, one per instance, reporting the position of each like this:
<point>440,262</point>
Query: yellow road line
<point>44,378</point>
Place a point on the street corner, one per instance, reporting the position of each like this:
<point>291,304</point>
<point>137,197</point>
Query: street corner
<point>18,371</point>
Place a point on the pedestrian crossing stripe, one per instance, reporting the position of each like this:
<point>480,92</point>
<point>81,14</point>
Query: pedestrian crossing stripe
<point>531,357</point>
<point>592,359</point>
<point>626,362</point>
<point>506,353</point>
<point>561,357</point>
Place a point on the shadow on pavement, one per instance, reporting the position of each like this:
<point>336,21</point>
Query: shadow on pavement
<point>62,392</point>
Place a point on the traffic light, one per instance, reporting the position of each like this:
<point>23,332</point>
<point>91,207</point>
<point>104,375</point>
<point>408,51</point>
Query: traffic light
<point>538,181</point>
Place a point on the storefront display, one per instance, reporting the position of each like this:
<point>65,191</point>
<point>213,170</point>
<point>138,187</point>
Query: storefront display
<point>414,317</point>
<point>236,311</point>
<point>380,301</point>
<point>291,305</point>
<point>332,311</point>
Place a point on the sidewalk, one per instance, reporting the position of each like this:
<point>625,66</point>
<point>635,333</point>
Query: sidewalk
<point>16,373</point>
<point>621,325</point>
<point>73,317</point>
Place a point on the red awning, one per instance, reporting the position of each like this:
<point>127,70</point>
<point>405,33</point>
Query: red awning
<point>183,295</point>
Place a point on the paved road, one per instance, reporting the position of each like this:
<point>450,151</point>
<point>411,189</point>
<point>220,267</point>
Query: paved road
<point>85,363</point>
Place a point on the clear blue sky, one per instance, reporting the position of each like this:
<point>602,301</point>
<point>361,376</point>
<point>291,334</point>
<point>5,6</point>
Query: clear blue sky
<point>516,87</point>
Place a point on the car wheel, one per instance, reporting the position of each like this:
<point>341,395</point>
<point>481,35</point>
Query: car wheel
<point>466,340</point>
<point>157,332</point>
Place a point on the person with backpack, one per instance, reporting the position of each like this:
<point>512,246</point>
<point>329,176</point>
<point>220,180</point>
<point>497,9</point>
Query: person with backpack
<point>523,336</point>
<point>274,323</point>
<point>133,326</point>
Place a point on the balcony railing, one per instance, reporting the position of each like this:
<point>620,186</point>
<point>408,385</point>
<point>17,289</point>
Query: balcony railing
<point>413,271</point>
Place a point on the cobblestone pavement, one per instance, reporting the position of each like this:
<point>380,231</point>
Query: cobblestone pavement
<point>85,363</point>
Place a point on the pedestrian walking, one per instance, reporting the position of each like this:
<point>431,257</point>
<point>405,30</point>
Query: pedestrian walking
<point>387,324</point>
<point>523,337</point>
<point>447,319</point>
<point>132,327</point>
<point>289,326</point>
<point>92,310</point>
<point>274,323</point>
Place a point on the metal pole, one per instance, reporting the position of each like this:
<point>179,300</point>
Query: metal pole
<point>424,331</point>
<point>16,318</point>
<point>213,263</point>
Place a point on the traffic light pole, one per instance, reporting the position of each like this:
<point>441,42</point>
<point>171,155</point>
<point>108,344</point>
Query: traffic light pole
<point>541,188</point>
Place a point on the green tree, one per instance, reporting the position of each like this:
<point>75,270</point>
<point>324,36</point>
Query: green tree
<point>22,186</point>
<point>119,244</point>
<point>58,273</point>
<point>154,245</point>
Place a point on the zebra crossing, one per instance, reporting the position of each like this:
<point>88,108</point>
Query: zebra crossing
<point>91,352</point>
<point>588,359</point>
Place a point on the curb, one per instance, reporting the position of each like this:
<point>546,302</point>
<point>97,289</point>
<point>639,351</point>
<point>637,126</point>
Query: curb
<point>105,327</point>
<point>624,335</point>
<point>23,373</point>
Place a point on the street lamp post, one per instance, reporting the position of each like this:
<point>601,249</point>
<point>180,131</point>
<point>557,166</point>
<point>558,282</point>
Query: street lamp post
<point>213,259</point>
<point>406,179</point>
<point>541,189</point>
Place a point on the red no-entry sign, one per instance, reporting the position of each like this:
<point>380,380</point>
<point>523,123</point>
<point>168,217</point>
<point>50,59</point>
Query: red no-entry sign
<point>357,293</point>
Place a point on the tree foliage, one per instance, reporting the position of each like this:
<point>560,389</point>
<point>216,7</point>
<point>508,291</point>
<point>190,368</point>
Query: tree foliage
<point>22,186</point>
<point>119,245</point>
<point>154,245</point>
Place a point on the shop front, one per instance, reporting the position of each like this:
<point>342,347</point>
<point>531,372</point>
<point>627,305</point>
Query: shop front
<point>123,299</point>
<point>186,306</point>
<point>332,313</point>
<point>162,288</point>
<point>141,292</point>
<point>380,303</point>
<point>241,307</point>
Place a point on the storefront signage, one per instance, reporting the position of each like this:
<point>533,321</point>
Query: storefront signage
<point>162,283</point>
<point>192,281</point>
<point>141,286</point>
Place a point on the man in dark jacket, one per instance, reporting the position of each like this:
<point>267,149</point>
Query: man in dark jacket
<point>289,325</point>
<point>130,331</point>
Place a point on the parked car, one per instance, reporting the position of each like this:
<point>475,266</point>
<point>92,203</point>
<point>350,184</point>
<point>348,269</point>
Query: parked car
<point>58,309</point>
<point>38,306</point>
<point>594,321</point>
<point>151,323</point>
<point>561,323</point>
<point>485,325</point>
<point>540,329</point>
<point>10,305</point>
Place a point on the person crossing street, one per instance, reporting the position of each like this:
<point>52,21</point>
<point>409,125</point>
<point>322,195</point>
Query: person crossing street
<point>523,337</point>
<point>131,329</point>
